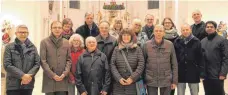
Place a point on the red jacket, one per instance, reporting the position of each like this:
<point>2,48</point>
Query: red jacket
<point>74,57</point>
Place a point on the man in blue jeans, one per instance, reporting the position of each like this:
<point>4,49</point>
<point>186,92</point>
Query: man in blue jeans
<point>190,64</point>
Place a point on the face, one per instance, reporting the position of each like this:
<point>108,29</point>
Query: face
<point>126,38</point>
<point>76,43</point>
<point>196,16</point>
<point>210,28</point>
<point>159,33</point>
<point>185,30</point>
<point>118,26</point>
<point>149,20</point>
<point>91,44</point>
<point>167,24</point>
<point>89,19</point>
<point>137,27</point>
<point>67,27</point>
<point>22,34</point>
<point>104,29</point>
<point>56,29</point>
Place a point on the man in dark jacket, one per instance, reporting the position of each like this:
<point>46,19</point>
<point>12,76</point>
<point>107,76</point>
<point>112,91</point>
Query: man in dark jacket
<point>21,62</point>
<point>189,56</point>
<point>93,74</point>
<point>89,28</point>
<point>105,42</point>
<point>149,27</point>
<point>216,60</point>
<point>198,28</point>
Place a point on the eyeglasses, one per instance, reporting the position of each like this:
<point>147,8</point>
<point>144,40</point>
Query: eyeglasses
<point>167,23</point>
<point>149,19</point>
<point>22,32</point>
<point>56,27</point>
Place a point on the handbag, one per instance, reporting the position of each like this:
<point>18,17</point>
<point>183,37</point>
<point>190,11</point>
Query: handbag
<point>141,90</point>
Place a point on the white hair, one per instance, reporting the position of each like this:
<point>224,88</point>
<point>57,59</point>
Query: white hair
<point>74,36</point>
<point>160,26</point>
<point>90,38</point>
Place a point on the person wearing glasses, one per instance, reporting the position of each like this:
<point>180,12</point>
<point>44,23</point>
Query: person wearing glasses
<point>55,61</point>
<point>21,62</point>
<point>149,27</point>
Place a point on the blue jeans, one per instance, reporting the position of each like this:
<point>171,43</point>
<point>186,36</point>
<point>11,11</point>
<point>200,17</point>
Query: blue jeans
<point>194,88</point>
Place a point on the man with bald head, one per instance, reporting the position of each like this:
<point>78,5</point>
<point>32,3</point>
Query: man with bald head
<point>21,62</point>
<point>55,61</point>
<point>189,59</point>
<point>93,74</point>
<point>198,28</point>
<point>161,63</point>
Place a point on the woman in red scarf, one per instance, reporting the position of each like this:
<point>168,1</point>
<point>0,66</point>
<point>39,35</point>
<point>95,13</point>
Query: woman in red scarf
<point>77,48</point>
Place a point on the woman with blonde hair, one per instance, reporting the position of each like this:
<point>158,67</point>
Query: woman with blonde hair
<point>77,48</point>
<point>116,28</point>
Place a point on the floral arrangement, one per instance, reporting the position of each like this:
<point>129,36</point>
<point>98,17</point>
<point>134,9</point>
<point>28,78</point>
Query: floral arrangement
<point>6,27</point>
<point>113,6</point>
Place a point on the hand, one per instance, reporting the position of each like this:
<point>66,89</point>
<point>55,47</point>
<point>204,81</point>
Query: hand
<point>201,79</point>
<point>129,81</point>
<point>123,81</point>
<point>57,78</point>
<point>72,82</point>
<point>173,86</point>
<point>62,76</point>
<point>104,93</point>
<point>26,79</point>
<point>84,93</point>
<point>222,77</point>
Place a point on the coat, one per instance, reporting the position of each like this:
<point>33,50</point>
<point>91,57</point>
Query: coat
<point>93,73</point>
<point>190,59</point>
<point>18,61</point>
<point>161,64</point>
<point>55,60</point>
<point>199,30</point>
<point>106,46</point>
<point>149,31</point>
<point>119,68</point>
<point>84,31</point>
<point>141,39</point>
<point>215,49</point>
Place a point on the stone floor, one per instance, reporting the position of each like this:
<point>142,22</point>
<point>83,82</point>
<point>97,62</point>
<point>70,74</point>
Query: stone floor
<point>38,86</point>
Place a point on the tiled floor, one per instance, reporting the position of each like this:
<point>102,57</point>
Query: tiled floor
<point>38,86</point>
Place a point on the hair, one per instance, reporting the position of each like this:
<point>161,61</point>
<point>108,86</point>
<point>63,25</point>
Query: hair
<point>137,20</point>
<point>126,31</point>
<point>160,26</point>
<point>55,22</point>
<point>88,13</point>
<point>90,38</point>
<point>66,21</point>
<point>147,16</point>
<point>196,11</point>
<point>213,23</point>
<point>21,26</point>
<point>74,36</point>
<point>117,21</point>
<point>163,22</point>
<point>104,21</point>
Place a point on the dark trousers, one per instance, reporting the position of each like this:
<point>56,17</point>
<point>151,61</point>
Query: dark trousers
<point>172,92</point>
<point>19,92</point>
<point>154,90</point>
<point>58,93</point>
<point>213,87</point>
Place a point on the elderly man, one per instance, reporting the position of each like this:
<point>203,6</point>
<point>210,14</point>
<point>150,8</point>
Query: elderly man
<point>190,64</point>
<point>216,60</point>
<point>161,64</point>
<point>21,62</point>
<point>89,28</point>
<point>93,74</point>
<point>55,61</point>
<point>149,27</point>
<point>198,28</point>
<point>105,42</point>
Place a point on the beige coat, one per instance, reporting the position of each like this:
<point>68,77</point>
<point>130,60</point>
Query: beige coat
<point>55,60</point>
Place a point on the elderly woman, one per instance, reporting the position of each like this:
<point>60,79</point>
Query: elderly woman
<point>116,28</point>
<point>170,30</point>
<point>141,37</point>
<point>67,28</point>
<point>124,79</point>
<point>77,48</point>
<point>93,74</point>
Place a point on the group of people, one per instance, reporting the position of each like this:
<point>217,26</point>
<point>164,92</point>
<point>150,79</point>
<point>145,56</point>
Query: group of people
<point>109,59</point>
